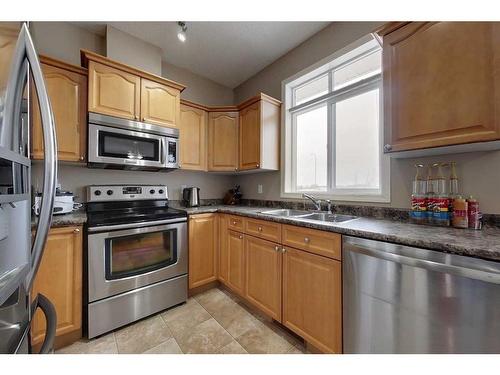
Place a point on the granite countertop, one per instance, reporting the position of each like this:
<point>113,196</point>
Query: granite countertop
<point>78,217</point>
<point>476,243</point>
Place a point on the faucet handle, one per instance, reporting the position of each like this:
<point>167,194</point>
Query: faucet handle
<point>329,203</point>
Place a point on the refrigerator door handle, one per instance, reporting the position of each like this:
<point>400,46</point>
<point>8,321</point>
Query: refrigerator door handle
<point>25,52</point>
<point>49,311</point>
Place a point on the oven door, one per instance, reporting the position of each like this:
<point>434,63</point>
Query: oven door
<point>123,260</point>
<point>109,145</point>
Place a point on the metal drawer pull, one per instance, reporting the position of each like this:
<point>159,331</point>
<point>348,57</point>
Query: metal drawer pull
<point>77,230</point>
<point>306,239</point>
<point>260,229</point>
<point>234,222</point>
<point>283,250</point>
<point>241,236</point>
<point>276,248</point>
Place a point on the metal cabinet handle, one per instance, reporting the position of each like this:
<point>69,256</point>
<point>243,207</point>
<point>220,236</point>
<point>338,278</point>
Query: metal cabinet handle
<point>241,237</point>
<point>76,230</point>
<point>234,222</point>
<point>307,240</point>
<point>276,248</point>
<point>387,147</point>
<point>257,165</point>
<point>283,250</point>
<point>260,229</point>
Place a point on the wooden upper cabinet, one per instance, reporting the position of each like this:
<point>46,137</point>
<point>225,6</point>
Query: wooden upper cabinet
<point>259,139</point>
<point>121,90</point>
<point>113,91</point>
<point>236,262</point>
<point>312,299</point>
<point>263,275</point>
<point>160,104</point>
<point>441,84</point>
<point>193,138</point>
<point>223,141</point>
<point>59,278</point>
<point>250,137</point>
<point>67,89</point>
<point>203,243</point>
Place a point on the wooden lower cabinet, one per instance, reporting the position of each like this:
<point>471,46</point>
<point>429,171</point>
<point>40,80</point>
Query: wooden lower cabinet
<point>203,243</point>
<point>236,262</point>
<point>59,278</point>
<point>263,275</point>
<point>312,299</point>
<point>223,270</point>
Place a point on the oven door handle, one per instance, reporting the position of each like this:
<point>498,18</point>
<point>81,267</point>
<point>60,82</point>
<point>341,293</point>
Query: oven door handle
<point>136,225</point>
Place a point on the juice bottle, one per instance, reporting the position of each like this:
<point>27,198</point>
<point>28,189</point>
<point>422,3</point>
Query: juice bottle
<point>431,195</point>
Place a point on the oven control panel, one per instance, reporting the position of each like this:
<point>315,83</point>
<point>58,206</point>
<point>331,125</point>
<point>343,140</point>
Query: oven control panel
<point>107,193</point>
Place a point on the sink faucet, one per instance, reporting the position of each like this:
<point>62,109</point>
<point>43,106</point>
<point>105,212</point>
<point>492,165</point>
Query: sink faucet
<point>316,202</point>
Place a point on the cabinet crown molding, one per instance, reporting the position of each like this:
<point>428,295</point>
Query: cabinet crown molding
<point>87,56</point>
<point>47,60</point>
<point>233,108</point>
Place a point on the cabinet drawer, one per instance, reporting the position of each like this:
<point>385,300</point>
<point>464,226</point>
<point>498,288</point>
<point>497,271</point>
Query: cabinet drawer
<point>312,240</point>
<point>263,229</point>
<point>236,223</point>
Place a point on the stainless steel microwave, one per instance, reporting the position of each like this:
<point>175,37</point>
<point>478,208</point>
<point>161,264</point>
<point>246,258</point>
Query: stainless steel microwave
<point>125,144</point>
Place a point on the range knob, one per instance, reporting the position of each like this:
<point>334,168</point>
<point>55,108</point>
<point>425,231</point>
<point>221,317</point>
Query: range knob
<point>160,191</point>
<point>109,192</point>
<point>97,192</point>
<point>152,191</point>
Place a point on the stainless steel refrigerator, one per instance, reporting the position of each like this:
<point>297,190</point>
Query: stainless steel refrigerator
<point>20,253</point>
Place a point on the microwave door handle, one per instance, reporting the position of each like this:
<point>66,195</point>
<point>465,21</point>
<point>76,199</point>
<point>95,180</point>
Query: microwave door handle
<point>163,152</point>
<point>50,150</point>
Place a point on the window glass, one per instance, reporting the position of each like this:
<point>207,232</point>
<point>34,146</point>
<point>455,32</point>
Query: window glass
<point>358,70</point>
<point>312,130</point>
<point>357,141</point>
<point>311,90</point>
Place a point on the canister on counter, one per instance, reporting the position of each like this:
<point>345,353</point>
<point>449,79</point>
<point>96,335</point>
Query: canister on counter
<point>473,213</point>
<point>460,215</point>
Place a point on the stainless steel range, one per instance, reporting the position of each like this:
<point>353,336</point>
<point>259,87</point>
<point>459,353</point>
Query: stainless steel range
<point>136,255</point>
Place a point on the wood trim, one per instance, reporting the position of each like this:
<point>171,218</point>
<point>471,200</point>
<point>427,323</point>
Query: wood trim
<point>87,56</point>
<point>390,27</point>
<point>233,108</point>
<point>47,60</point>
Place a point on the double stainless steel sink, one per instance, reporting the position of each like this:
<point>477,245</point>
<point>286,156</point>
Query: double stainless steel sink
<point>310,215</point>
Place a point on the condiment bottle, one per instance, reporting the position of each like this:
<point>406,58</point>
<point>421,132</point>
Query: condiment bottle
<point>460,215</point>
<point>441,214</point>
<point>473,213</point>
<point>418,213</point>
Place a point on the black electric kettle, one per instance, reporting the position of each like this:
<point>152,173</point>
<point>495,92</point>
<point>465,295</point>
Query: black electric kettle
<point>191,196</point>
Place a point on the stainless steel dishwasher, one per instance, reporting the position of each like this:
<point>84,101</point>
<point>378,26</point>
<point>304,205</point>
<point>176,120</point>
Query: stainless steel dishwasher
<point>399,299</point>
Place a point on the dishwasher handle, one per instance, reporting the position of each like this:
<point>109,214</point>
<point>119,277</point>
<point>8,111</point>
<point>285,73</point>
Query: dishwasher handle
<point>428,259</point>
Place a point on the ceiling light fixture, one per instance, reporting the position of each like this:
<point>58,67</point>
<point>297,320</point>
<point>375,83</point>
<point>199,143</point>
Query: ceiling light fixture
<point>182,31</point>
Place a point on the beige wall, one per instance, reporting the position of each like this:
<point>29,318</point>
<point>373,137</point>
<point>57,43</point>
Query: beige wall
<point>63,40</point>
<point>133,51</point>
<point>479,172</point>
<point>199,89</point>
<point>75,178</point>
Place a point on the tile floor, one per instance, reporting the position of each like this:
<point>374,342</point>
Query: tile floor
<point>215,321</point>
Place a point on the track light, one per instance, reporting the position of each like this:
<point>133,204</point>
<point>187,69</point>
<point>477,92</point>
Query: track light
<point>182,31</point>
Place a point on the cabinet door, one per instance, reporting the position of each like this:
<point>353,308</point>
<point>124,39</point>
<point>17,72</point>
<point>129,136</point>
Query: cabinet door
<point>68,98</point>
<point>160,104</point>
<point>263,275</point>
<point>59,278</point>
<point>312,299</point>
<point>113,92</point>
<point>202,249</point>
<point>223,270</point>
<point>193,138</point>
<point>236,262</point>
<point>250,137</point>
<point>441,85</point>
<point>223,141</point>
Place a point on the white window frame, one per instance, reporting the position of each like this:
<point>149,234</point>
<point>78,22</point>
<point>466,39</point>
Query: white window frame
<point>288,127</point>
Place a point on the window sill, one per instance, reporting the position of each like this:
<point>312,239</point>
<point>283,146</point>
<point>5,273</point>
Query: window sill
<point>340,197</point>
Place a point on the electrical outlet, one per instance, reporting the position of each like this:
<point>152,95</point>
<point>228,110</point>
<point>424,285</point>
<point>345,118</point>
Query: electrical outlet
<point>259,189</point>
